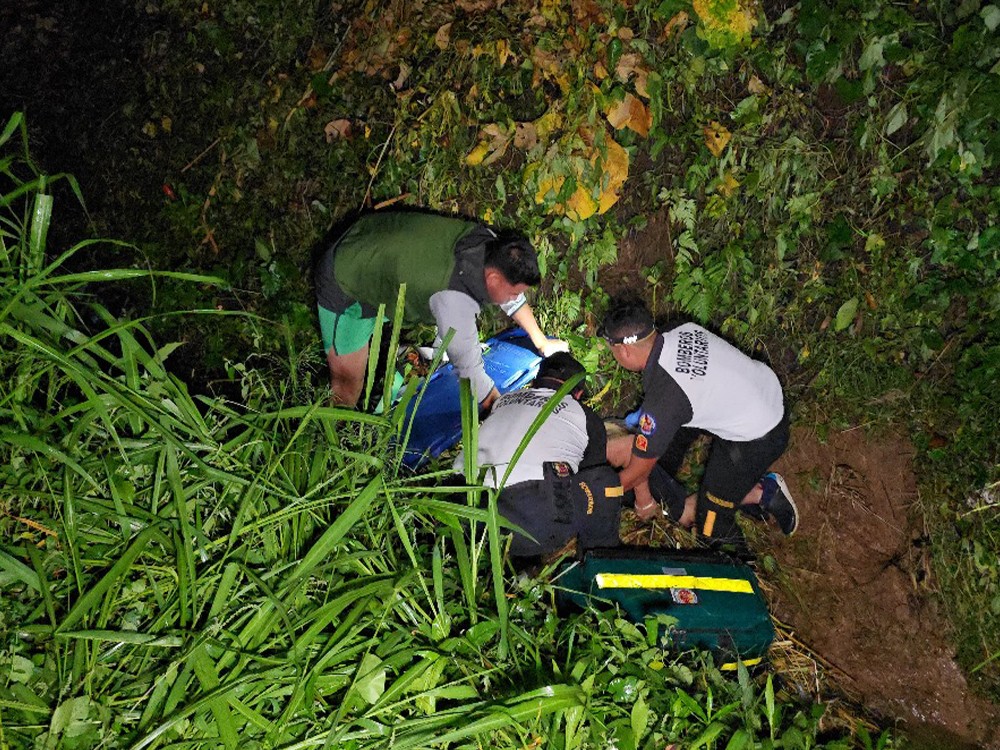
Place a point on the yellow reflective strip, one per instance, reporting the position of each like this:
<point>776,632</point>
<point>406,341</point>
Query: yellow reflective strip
<point>733,665</point>
<point>633,581</point>
<point>614,491</point>
<point>709,523</point>
<point>719,501</point>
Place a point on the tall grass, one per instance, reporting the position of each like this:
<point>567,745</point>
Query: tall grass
<point>181,571</point>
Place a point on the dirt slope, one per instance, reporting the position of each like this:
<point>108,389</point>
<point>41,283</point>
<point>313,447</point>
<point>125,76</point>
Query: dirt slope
<point>855,587</point>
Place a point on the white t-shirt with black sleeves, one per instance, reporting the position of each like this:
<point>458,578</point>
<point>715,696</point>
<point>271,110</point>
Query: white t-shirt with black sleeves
<point>696,379</point>
<point>571,433</point>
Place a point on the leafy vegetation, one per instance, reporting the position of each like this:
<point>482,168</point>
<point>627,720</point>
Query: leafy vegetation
<point>823,175</point>
<point>181,570</point>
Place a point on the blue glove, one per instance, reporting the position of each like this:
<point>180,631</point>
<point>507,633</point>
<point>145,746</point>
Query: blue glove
<point>632,419</point>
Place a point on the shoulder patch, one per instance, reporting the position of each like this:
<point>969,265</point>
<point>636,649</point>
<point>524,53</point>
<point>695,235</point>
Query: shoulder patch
<point>647,425</point>
<point>641,443</point>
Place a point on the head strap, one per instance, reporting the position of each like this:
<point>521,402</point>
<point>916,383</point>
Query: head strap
<point>631,338</point>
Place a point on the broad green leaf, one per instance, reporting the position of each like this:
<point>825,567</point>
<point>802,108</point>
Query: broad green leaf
<point>845,315</point>
<point>371,679</point>
<point>873,54</point>
<point>991,17</point>
<point>640,718</point>
<point>896,118</point>
<point>712,731</point>
<point>740,739</point>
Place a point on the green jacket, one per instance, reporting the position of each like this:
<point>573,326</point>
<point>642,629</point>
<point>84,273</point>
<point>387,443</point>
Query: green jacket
<point>383,250</point>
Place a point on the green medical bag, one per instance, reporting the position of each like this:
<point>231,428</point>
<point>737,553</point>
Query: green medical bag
<point>715,600</point>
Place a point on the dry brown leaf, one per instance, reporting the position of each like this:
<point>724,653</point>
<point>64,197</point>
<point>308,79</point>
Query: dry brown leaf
<point>675,26</point>
<point>600,72</point>
<point>627,65</point>
<point>641,83</point>
<point>404,73</point>
<point>317,58</point>
<point>716,137</point>
<point>476,6</point>
<point>630,113</point>
<point>337,129</point>
<point>525,135</point>
<point>626,34</point>
<point>443,36</point>
<point>756,86</point>
<point>587,13</point>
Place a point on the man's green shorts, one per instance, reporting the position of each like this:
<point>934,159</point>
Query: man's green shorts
<point>348,331</point>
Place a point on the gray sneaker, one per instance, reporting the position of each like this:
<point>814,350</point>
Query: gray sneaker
<point>777,502</point>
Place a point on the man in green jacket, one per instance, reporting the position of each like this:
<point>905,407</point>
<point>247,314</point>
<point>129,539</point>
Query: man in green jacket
<point>451,267</point>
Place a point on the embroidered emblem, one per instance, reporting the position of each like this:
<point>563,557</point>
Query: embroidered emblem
<point>641,443</point>
<point>683,596</point>
<point>647,425</point>
<point>590,498</point>
<point>561,468</point>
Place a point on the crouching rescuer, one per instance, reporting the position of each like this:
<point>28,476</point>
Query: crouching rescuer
<point>561,486</point>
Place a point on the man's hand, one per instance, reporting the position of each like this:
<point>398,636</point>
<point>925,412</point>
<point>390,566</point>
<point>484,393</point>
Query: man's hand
<point>645,506</point>
<point>552,346</point>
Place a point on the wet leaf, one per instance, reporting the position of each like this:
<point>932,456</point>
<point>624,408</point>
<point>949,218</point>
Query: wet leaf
<point>717,137</point>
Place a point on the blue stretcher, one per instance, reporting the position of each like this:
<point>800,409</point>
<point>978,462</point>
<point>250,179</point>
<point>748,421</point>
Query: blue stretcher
<point>510,360</point>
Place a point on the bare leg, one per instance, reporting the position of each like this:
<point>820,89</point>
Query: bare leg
<point>753,496</point>
<point>347,376</point>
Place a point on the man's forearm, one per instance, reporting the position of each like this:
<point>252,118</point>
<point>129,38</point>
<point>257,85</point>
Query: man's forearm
<point>524,316</point>
<point>636,472</point>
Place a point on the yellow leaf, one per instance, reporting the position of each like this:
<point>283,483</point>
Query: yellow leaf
<point>600,72</point>
<point>547,124</point>
<point>728,184</point>
<point>716,137</point>
<point>549,183</point>
<point>488,216</point>
<point>615,168</point>
<point>581,205</point>
<point>167,124</point>
<point>443,37</point>
<point>503,51</point>
<point>475,157</point>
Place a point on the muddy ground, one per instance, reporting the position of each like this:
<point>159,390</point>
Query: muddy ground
<point>854,586</point>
